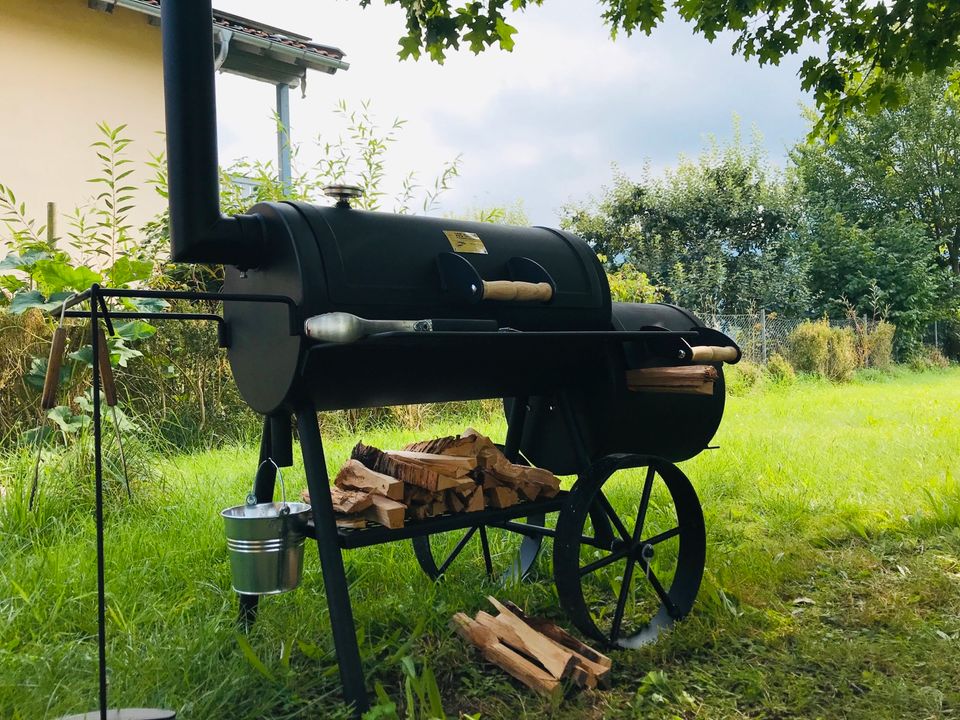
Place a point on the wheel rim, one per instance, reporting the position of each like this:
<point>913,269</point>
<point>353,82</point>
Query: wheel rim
<point>500,553</point>
<point>623,588</point>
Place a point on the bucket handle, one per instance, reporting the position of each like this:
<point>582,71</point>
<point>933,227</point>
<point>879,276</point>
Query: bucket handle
<point>252,495</point>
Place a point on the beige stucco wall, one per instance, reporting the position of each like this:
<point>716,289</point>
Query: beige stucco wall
<point>64,69</point>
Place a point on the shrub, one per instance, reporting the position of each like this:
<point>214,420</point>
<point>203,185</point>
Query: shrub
<point>841,355</point>
<point>808,346</point>
<point>780,369</point>
<point>929,358</point>
<point>743,377</point>
<point>878,345</point>
<point>817,348</point>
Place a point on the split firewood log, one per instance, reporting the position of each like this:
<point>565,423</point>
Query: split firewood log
<point>503,657</point>
<point>453,445</point>
<point>449,465</point>
<point>354,475</point>
<point>598,663</point>
<point>557,660</point>
<point>476,501</point>
<point>348,502</point>
<point>501,497</point>
<point>408,472</point>
<point>387,512</point>
<point>350,522</point>
<point>691,375</point>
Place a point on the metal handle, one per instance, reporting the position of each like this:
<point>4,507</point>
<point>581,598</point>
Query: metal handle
<point>517,291</point>
<point>252,495</point>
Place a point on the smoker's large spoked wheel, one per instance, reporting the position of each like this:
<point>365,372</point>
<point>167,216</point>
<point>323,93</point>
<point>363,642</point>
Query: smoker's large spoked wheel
<point>625,589</point>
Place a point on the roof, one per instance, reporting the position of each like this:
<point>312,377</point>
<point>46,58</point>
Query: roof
<point>255,49</point>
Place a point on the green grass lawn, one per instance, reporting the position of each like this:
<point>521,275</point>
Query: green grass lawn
<point>832,586</point>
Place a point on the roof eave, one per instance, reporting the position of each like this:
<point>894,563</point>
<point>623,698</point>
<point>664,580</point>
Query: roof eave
<point>300,59</point>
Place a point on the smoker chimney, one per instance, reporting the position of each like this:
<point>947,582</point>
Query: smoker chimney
<point>199,233</point>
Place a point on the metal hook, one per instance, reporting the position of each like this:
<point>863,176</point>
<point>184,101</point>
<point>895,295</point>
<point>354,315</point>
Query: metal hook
<point>252,495</point>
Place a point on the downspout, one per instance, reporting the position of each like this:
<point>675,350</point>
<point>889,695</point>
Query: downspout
<point>284,151</point>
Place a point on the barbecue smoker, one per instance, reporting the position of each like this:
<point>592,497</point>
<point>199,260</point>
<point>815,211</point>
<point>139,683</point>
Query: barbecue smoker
<point>450,310</point>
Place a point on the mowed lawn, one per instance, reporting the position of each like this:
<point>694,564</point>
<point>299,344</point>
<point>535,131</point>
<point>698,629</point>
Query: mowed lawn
<point>832,587</point>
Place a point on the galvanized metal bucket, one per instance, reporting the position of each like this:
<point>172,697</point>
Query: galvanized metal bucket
<point>265,543</point>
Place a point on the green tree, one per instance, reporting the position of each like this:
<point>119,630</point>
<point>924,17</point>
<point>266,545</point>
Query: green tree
<point>882,210</point>
<point>717,233</point>
<point>860,50</point>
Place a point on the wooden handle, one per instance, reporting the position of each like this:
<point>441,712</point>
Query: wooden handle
<point>711,354</point>
<point>106,372</point>
<point>51,382</point>
<point>517,291</point>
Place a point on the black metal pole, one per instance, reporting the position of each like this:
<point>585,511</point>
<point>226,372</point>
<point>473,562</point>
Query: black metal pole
<point>331,562</point>
<point>98,477</point>
<point>518,415</point>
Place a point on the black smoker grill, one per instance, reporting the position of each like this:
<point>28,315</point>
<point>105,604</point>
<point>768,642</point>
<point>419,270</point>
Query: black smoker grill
<point>490,311</point>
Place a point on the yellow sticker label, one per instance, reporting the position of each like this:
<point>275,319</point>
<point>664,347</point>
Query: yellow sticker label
<point>465,242</point>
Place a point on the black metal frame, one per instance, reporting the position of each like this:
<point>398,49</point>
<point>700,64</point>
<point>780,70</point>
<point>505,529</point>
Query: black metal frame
<point>331,540</point>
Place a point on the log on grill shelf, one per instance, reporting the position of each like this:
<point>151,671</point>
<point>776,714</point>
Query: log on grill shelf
<point>691,379</point>
<point>455,474</point>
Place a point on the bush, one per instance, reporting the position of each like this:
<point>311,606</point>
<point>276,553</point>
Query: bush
<point>877,344</point>
<point>929,358</point>
<point>841,355</point>
<point>819,349</point>
<point>743,377</point>
<point>780,370</point>
<point>808,346</point>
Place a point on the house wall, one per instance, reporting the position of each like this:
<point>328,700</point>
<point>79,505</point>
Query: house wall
<point>66,68</point>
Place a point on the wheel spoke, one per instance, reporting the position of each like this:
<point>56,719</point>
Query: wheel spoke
<point>644,503</point>
<point>456,551</point>
<point>485,544</point>
<point>662,536</point>
<point>612,515</point>
<point>604,561</point>
<point>622,601</point>
<point>661,593</point>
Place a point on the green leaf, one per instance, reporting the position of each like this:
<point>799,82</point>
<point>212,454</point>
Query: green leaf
<point>25,300</point>
<point>147,304</point>
<point>250,654</point>
<point>66,420</point>
<point>56,276</point>
<point>134,330</point>
<point>505,32</point>
<point>125,271</point>
<point>23,261</point>
<point>35,376</point>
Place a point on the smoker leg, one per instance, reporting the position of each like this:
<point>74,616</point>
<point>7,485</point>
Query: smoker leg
<point>263,486</point>
<point>331,562</point>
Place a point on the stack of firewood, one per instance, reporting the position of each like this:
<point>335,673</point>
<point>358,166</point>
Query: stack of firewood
<point>541,655</point>
<point>689,379</point>
<point>446,475</point>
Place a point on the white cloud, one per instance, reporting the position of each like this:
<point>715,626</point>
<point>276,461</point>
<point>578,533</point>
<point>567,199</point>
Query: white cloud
<point>543,123</point>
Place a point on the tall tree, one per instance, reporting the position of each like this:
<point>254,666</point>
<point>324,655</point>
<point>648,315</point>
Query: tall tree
<point>716,233</point>
<point>860,50</point>
<point>886,193</point>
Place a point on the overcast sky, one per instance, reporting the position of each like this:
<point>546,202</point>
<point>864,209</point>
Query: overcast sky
<point>542,124</point>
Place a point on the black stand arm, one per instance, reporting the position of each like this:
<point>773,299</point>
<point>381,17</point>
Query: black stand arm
<point>331,562</point>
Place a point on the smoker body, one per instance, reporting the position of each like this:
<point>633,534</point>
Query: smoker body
<point>614,419</point>
<point>383,266</point>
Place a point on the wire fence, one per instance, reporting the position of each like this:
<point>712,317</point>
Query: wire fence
<point>760,335</point>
